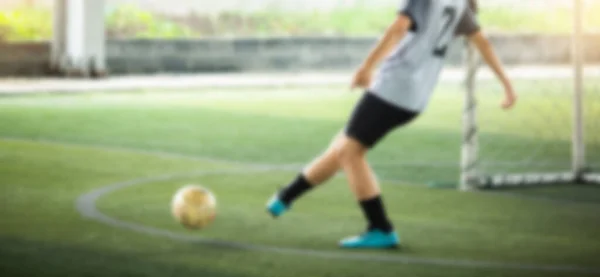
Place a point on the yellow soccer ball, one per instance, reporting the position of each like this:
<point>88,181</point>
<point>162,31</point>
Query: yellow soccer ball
<point>194,206</point>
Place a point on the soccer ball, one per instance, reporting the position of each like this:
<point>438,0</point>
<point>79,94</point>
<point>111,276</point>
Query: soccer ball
<point>194,207</point>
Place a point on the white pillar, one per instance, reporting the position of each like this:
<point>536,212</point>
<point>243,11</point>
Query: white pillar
<point>78,47</point>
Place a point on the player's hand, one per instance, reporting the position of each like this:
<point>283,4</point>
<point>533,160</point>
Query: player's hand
<point>362,78</point>
<point>510,98</point>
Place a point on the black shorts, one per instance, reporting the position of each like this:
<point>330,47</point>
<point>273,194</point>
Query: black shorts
<point>373,118</point>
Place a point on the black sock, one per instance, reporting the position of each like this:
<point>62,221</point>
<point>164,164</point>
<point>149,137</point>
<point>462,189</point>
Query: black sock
<point>375,213</point>
<point>294,190</point>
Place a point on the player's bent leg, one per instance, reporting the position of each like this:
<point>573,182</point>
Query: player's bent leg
<point>371,120</point>
<point>317,172</point>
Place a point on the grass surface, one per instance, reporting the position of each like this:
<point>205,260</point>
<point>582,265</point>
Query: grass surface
<point>254,125</point>
<point>42,233</point>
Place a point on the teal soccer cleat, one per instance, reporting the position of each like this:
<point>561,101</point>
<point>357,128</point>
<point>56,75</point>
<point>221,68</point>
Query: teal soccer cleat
<point>372,239</point>
<point>275,206</point>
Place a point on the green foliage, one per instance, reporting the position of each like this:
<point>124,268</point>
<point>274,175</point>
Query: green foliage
<point>129,21</point>
<point>351,21</point>
<point>25,24</point>
<point>554,20</point>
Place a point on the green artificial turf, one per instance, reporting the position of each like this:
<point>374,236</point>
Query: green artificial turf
<point>63,146</point>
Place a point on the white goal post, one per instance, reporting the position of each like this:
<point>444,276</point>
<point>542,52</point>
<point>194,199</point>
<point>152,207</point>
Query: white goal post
<point>472,178</point>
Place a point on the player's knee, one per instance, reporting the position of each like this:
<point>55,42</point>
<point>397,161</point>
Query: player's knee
<point>349,149</point>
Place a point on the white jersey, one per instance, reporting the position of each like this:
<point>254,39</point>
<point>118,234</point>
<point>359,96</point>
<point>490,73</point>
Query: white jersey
<point>408,76</point>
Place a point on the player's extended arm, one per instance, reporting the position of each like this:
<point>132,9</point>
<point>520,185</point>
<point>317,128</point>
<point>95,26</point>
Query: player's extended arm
<point>489,55</point>
<point>392,36</point>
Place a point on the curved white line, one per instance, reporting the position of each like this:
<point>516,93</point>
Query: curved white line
<point>86,206</point>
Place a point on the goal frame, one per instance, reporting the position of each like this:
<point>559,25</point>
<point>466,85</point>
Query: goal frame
<point>471,179</point>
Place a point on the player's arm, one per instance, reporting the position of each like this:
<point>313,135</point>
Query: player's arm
<point>486,50</point>
<point>392,36</point>
<point>469,27</point>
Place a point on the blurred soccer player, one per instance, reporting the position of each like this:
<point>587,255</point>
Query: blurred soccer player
<point>412,52</point>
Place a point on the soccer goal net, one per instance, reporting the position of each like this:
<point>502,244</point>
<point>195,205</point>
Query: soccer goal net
<point>552,136</point>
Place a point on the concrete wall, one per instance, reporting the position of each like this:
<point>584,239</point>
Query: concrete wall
<point>275,54</point>
<point>24,59</point>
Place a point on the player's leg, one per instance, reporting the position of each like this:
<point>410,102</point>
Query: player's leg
<point>372,119</point>
<point>352,158</point>
<point>363,183</point>
<point>317,172</point>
